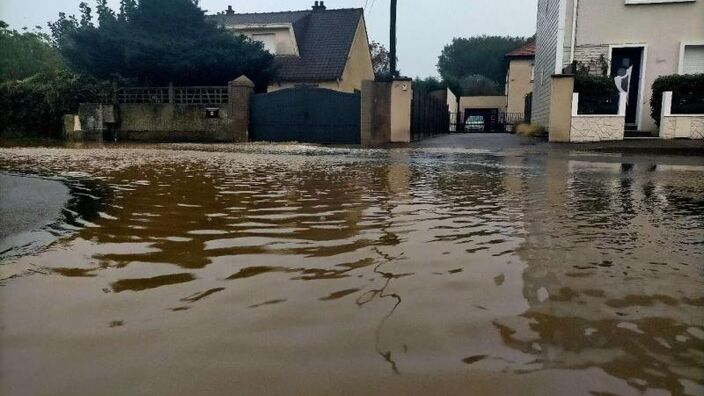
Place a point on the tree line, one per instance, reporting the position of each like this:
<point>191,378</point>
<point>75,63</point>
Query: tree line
<point>44,75</point>
<point>474,66</point>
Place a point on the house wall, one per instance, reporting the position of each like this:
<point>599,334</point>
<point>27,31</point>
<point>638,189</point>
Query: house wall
<point>359,62</point>
<point>661,27</point>
<point>519,84</point>
<point>482,102</point>
<point>549,56</point>
<point>452,103</point>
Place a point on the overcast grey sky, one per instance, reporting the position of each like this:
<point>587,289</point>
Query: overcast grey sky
<point>424,26</point>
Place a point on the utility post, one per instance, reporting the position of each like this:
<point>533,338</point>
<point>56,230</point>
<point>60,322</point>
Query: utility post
<point>394,69</point>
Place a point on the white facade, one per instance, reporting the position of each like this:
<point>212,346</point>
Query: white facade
<point>670,34</point>
<point>550,36</point>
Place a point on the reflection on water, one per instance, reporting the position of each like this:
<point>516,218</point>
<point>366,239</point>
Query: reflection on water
<point>314,270</point>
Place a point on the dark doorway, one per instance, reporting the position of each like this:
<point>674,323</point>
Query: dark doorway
<point>627,63</point>
<point>490,117</point>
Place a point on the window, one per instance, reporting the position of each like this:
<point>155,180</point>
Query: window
<point>532,72</point>
<point>692,59</point>
<point>268,39</point>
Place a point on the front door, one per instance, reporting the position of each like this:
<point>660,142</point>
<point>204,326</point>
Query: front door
<point>626,65</point>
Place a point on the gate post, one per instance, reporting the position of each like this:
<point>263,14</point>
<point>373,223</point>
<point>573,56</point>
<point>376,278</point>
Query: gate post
<point>401,102</point>
<point>560,122</point>
<point>239,92</point>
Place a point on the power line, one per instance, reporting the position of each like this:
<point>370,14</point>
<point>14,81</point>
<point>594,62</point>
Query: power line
<point>371,7</point>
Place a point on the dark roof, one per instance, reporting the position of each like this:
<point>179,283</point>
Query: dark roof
<point>324,40</point>
<point>527,51</point>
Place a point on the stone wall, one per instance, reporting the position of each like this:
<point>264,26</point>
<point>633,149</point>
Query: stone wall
<point>591,55</point>
<point>679,126</point>
<point>687,126</point>
<point>174,123</point>
<point>597,128</point>
<point>600,127</point>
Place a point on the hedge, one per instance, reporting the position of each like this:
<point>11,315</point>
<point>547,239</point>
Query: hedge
<point>692,84</point>
<point>591,85</point>
<point>34,107</point>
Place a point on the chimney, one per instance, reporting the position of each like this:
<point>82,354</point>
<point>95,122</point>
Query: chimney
<point>319,6</point>
<point>230,11</point>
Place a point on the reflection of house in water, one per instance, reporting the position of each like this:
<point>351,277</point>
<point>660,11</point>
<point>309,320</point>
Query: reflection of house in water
<point>606,284</point>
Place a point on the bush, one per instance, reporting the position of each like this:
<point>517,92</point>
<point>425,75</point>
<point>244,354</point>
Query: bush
<point>35,106</point>
<point>687,84</point>
<point>529,130</point>
<point>591,85</point>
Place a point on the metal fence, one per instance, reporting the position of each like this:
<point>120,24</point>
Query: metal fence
<point>528,108</point>
<point>429,116</point>
<point>174,95</point>
<point>687,103</point>
<point>598,104</point>
<point>155,95</point>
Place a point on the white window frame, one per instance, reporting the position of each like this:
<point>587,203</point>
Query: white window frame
<point>643,67</point>
<point>683,46</point>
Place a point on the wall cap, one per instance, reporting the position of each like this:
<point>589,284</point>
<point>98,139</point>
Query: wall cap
<point>242,81</point>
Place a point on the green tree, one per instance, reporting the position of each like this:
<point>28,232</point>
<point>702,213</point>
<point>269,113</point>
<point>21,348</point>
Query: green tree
<point>428,84</point>
<point>381,61</point>
<point>23,55</point>
<point>481,55</point>
<point>478,85</point>
<point>36,105</point>
<point>156,42</point>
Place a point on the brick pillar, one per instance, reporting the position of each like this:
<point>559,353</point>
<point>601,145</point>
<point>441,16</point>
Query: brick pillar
<point>239,92</point>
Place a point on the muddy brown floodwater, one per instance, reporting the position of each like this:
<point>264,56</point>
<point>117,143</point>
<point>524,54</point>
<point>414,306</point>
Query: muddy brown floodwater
<point>299,270</point>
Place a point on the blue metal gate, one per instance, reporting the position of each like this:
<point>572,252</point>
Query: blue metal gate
<point>309,115</point>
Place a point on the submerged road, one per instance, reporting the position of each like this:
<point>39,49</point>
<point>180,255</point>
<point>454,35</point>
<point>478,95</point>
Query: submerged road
<point>28,203</point>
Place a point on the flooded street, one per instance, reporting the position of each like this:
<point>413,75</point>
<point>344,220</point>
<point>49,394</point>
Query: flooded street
<point>193,270</point>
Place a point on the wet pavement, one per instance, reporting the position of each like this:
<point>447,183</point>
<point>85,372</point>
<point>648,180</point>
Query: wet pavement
<point>285,269</point>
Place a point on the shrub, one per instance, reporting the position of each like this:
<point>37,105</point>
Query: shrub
<point>687,84</point>
<point>35,106</point>
<point>529,130</point>
<point>591,85</point>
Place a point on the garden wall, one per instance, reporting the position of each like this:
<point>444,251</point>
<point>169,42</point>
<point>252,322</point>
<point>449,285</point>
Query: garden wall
<point>171,122</point>
<point>597,127</point>
<point>689,126</point>
<point>169,114</point>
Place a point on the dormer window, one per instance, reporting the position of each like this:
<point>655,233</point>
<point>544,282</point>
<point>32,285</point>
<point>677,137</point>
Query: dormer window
<point>268,39</point>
